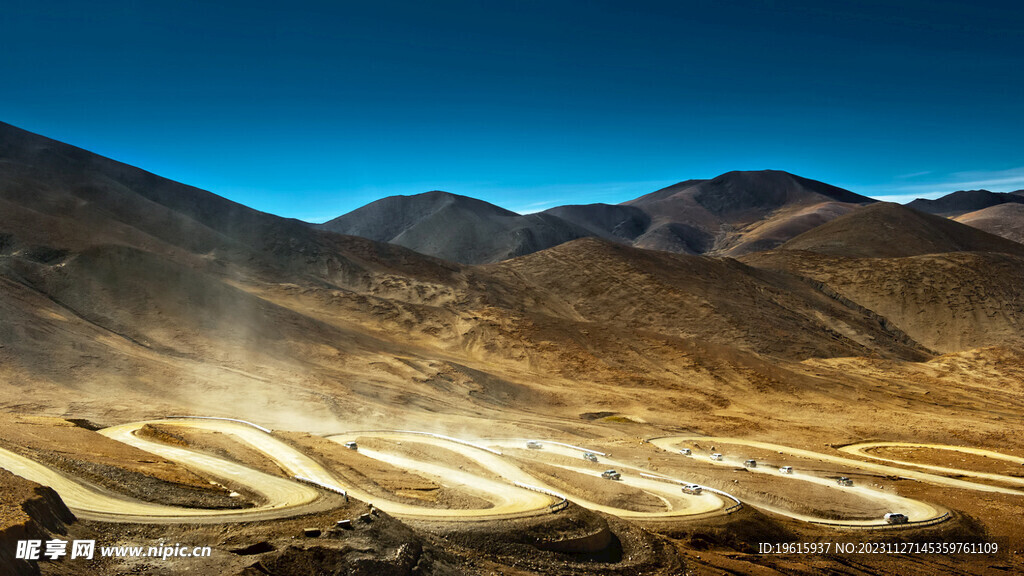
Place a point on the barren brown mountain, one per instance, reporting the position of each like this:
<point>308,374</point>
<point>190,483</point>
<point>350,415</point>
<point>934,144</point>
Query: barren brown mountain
<point>455,228</point>
<point>1006,220</point>
<point>739,212</point>
<point>890,230</point>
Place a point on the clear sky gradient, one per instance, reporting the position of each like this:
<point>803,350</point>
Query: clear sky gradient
<point>311,109</point>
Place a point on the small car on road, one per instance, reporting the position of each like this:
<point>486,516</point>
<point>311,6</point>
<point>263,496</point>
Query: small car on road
<point>896,518</point>
<point>590,456</point>
<point>786,470</point>
<point>611,475</point>
<point>844,481</point>
<point>534,445</point>
<point>692,489</point>
<point>716,456</point>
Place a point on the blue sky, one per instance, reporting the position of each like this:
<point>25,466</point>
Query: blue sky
<point>311,109</point>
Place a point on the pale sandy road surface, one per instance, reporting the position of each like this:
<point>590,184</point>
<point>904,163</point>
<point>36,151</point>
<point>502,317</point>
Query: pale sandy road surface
<point>283,497</point>
<point>677,504</point>
<point>669,442</point>
<point>861,449</point>
<point>508,499</point>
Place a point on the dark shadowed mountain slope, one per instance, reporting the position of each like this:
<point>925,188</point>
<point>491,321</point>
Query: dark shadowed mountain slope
<point>964,201</point>
<point>1006,220</point>
<point>455,228</point>
<point>735,194</point>
<point>610,221</point>
<point>890,230</point>
<point>122,284</point>
<point>57,198</point>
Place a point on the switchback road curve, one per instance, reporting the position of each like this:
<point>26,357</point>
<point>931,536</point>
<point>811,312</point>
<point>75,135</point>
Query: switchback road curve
<point>916,511</point>
<point>864,449</point>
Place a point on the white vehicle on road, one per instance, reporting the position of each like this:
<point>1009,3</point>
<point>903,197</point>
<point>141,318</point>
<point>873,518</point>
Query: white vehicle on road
<point>692,489</point>
<point>685,452</point>
<point>716,456</point>
<point>534,445</point>
<point>786,470</point>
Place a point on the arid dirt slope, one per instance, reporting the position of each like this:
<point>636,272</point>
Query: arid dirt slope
<point>1006,220</point>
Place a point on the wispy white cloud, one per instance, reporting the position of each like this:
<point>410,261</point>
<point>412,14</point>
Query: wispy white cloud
<point>914,175</point>
<point>535,206</point>
<point>1003,179</point>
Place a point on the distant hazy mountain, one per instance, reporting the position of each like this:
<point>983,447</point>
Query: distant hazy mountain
<point>455,228</point>
<point>892,231</point>
<point>964,201</point>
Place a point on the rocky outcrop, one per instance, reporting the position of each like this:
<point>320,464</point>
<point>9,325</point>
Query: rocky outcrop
<point>28,511</point>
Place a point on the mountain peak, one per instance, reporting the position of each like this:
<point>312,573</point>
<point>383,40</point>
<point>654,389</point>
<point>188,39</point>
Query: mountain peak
<point>455,228</point>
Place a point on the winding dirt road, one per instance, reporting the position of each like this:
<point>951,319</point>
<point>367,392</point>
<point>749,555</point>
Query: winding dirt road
<point>864,448</point>
<point>511,490</point>
<point>676,503</point>
<point>915,510</point>
<point>282,497</point>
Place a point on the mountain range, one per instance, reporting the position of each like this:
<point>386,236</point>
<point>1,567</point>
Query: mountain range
<point>733,214</point>
<point>119,283</point>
